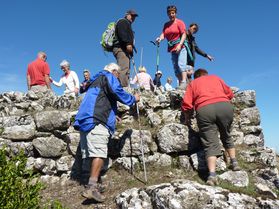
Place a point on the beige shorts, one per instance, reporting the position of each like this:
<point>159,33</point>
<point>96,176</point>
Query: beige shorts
<point>95,142</point>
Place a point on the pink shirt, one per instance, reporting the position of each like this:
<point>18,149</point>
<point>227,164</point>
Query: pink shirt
<point>143,79</point>
<point>173,31</point>
<point>206,90</point>
<point>37,71</point>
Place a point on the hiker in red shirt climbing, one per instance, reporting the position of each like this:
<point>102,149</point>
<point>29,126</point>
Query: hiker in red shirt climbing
<point>210,97</point>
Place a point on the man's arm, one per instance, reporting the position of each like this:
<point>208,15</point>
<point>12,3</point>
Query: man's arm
<point>28,82</point>
<point>201,52</point>
<point>47,80</point>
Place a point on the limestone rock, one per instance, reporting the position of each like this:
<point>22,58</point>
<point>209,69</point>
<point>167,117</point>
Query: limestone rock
<point>64,163</point>
<point>49,146</point>
<point>129,163</point>
<point>169,116</point>
<point>250,117</point>
<point>173,138</point>
<point>264,189</point>
<point>238,136</point>
<point>52,120</point>
<point>244,99</point>
<point>184,162</point>
<point>154,118</point>
<point>184,194</point>
<point>46,166</point>
<point>159,159</point>
<point>73,142</point>
<point>253,140</point>
<point>18,127</point>
<point>237,178</point>
<point>130,142</point>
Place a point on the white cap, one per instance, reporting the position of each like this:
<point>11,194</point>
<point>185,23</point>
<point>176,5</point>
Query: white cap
<point>159,72</point>
<point>111,67</point>
<point>64,63</point>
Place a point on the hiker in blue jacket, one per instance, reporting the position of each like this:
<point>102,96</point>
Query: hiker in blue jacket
<point>96,120</point>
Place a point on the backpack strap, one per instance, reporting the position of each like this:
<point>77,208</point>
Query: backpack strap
<point>173,42</point>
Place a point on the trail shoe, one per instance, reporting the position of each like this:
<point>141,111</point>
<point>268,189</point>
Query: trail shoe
<point>93,193</point>
<point>235,167</point>
<point>212,181</point>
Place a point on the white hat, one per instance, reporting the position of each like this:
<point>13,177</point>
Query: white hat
<point>65,63</point>
<point>111,67</point>
<point>159,72</point>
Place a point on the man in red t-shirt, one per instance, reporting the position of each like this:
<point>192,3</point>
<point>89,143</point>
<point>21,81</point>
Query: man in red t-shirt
<point>38,74</point>
<point>210,97</point>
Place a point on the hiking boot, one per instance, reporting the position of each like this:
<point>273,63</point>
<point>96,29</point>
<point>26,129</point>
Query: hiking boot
<point>93,193</point>
<point>102,188</point>
<point>235,167</point>
<point>212,181</point>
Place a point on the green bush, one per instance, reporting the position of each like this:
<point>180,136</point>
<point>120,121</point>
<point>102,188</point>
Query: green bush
<point>17,187</point>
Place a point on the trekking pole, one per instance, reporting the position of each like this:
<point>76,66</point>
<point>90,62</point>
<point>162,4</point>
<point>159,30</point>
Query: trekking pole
<point>141,141</point>
<point>141,53</point>
<point>157,44</point>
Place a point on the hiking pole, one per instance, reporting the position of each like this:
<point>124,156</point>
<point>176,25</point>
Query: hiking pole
<point>141,53</point>
<point>157,44</point>
<point>141,141</point>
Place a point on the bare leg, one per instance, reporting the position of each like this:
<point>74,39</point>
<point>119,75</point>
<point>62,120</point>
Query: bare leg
<point>97,164</point>
<point>179,77</point>
<point>211,163</point>
<point>231,152</point>
<point>184,76</point>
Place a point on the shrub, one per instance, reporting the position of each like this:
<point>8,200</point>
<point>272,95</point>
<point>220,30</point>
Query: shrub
<point>17,186</point>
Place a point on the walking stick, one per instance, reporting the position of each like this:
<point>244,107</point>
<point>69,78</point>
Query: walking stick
<point>157,44</point>
<point>141,141</point>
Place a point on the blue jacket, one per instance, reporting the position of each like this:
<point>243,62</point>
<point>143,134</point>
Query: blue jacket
<point>99,106</point>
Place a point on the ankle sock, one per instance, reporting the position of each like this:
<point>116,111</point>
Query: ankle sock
<point>233,161</point>
<point>92,182</point>
<point>213,174</point>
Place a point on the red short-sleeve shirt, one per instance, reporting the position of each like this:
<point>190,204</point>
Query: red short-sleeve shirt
<point>173,31</point>
<point>37,71</point>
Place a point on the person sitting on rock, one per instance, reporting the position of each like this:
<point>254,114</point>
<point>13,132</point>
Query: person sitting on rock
<point>69,78</point>
<point>210,97</point>
<point>96,119</point>
<point>143,79</point>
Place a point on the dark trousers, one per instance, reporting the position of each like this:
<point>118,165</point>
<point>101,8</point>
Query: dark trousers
<point>212,119</point>
<point>123,61</point>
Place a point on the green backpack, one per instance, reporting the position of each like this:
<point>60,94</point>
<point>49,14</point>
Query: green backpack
<point>108,37</point>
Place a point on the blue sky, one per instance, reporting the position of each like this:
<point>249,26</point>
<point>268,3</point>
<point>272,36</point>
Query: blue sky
<point>242,36</point>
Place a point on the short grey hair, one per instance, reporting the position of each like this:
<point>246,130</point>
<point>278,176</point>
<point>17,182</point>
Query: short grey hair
<point>64,63</point>
<point>112,67</point>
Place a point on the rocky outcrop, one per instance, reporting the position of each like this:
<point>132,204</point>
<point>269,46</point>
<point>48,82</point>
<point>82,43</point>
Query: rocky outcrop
<point>184,194</point>
<point>40,125</point>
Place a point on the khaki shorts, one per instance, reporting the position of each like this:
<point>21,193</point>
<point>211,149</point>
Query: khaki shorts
<point>95,142</point>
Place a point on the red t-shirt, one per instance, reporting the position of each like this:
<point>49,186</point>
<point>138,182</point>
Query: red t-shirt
<point>173,31</point>
<point>206,90</point>
<point>37,71</point>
